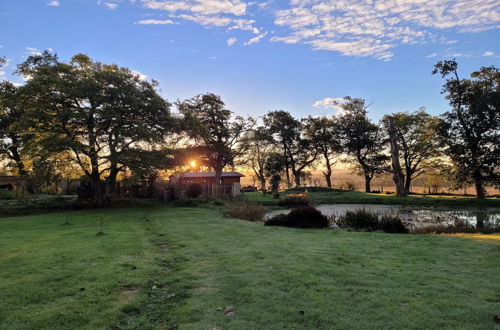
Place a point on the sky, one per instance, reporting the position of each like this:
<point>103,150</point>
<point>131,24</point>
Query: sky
<point>295,55</point>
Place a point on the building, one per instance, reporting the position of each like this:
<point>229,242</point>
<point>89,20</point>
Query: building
<point>230,182</point>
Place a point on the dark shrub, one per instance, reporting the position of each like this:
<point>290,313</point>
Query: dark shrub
<point>194,190</point>
<point>296,200</point>
<point>307,217</point>
<point>277,220</point>
<point>359,219</point>
<point>392,224</point>
<point>250,211</point>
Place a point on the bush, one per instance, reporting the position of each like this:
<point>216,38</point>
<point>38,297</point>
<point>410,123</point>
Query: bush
<point>302,199</point>
<point>307,217</point>
<point>194,190</point>
<point>392,224</point>
<point>277,220</point>
<point>250,211</point>
<point>458,226</point>
<point>359,219</point>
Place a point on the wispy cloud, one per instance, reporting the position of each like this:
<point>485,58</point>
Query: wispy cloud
<point>231,41</point>
<point>330,103</point>
<point>366,28</point>
<point>431,55</point>
<point>33,51</point>
<point>155,21</point>
<point>54,3</point>
<point>141,75</point>
<point>488,53</point>
<point>256,39</point>
<point>110,5</point>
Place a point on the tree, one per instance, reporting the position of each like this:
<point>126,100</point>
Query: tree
<point>255,149</point>
<point>13,137</point>
<point>296,148</point>
<point>273,167</point>
<point>209,123</point>
<point>416,138</point>
<point>471,130</point>
<point>398,176</point>
<point>362,139</point>
<point>103,115</point>
<point>324,133</point>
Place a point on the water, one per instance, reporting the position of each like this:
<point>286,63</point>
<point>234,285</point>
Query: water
<point>414,215</point>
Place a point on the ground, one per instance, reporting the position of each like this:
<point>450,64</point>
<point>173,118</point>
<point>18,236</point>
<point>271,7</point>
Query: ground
<point>166,268</point>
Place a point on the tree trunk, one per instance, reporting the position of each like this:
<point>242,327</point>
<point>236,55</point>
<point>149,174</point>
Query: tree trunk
<point>263,185</point>
<point>17,159</point>
<point>479,188</point>
<point>396,167</point>
<point>328,173</point>
<point>407,185</point>
<point>368,181</point>
<point>111,183</point>
<point>98,192</point>
<point>296,177</point>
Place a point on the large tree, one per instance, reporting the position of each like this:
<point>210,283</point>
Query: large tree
<point>296,148</point>
<point>105,116</point>
<point>13,137</point>
<point>325,135</point>
<point>362,140</point>
<point>255,148</point>
<point>212,126</point>
<point>470,131</point>
<point>416,138</point>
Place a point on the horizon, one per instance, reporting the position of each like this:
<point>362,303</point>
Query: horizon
<point>298,56</point>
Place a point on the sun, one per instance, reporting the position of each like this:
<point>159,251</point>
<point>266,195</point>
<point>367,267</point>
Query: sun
<point>192,163</point>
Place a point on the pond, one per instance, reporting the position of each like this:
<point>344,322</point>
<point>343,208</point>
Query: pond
<point>413,215</point>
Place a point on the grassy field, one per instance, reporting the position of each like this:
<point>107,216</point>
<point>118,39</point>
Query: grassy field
<point>167,268</point>
<point>356,197</point>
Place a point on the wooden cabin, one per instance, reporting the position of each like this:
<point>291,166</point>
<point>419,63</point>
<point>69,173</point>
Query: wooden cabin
<point>230,182</point>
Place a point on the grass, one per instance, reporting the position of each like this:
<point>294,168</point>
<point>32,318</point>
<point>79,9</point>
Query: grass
<point>165,267</point>
<point>356,197</point>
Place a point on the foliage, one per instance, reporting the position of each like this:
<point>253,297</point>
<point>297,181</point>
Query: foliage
<point>306,217</point>
<point>392,224</point>
<point>194,190</point>
<point>210,125</point>
<point>416,137</point>
<point>185,202</point>
<point>362,140</point>
<point>255,150</point>
<point>301,199</point>
<point>297,150</point>
<point>325,136</point>
<point>359,219</point>
<point>103,115</point>
<point>458,226</point>
<point>277,220</point>
<point>250,211</point>
<point>312,189</point>
<point>469,131</point>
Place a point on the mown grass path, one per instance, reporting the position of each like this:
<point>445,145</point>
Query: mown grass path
<point>160,268</point>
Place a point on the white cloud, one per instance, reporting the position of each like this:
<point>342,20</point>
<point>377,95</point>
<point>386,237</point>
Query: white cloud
<point>231,41</point>
<point>374,28</point>
<point>33,51</point>
<point>256,39</point>
<point>2,74</point>
<point>488,53</point>
<point>54,3</point>
<point>431,55</point>
<point>330,103</point>
<point>110,5</point>
<point>141,75</point>
<point>155,21</point>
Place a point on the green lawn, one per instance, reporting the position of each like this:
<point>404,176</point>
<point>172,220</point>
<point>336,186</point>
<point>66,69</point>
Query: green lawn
<point>162,267</point>
<point>356,197</point>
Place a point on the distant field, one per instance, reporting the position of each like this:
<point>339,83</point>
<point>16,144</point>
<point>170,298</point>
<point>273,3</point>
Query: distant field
<point>178,268</point>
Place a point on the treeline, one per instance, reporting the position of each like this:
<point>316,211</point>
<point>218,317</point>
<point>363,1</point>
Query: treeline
<point>104,122</point>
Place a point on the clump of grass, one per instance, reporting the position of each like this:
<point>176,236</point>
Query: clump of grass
<point>392,224</point>
<point>250,211</point>
<point>458,226</point>
<point>359,219</point>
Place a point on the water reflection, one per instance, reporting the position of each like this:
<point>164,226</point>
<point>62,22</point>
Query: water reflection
<point>415,216</point>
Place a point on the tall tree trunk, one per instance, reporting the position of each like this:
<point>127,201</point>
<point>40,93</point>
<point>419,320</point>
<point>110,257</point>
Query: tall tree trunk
<point>98,192</point>
<point>479,187</point>
<point>328,173</point>
<point>296,177</point>
<point>368,181</point>
<point>396,167</point>
<point>407,183</point>
<point>263,185</point>
<point>111,183</point>
<point>16,157</point>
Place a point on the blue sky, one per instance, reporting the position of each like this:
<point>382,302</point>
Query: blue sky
<point>294,55</point>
